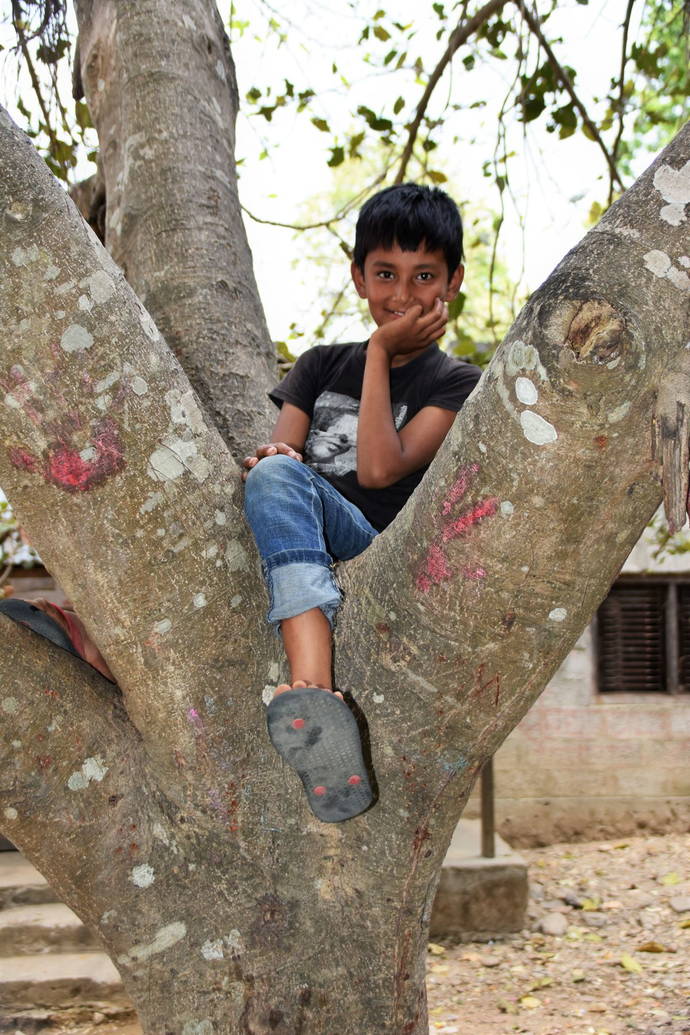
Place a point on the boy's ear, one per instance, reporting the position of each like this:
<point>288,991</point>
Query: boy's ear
<point>358,280</point>
<point>454,283</point>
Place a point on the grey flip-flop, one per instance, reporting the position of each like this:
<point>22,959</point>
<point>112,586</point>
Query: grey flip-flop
<point>317,734</point>
<point>25,613</point>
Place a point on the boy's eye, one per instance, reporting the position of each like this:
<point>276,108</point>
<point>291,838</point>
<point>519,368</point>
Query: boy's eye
<point>425,276</point>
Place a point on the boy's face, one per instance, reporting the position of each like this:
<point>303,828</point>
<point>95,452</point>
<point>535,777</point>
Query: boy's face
<point>393,281</point>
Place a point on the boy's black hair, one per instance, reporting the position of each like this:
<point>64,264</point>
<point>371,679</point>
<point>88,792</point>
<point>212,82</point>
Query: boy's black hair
<point>410,215</point>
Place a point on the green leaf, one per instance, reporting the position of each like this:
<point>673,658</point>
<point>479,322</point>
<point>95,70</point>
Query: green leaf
<point>381,33</point>
<point>437,177</point>
<point>457,305</point>
<point>83,115</point>
<point>321,124</point>
<point>398,106</point>
<point>337,157</point>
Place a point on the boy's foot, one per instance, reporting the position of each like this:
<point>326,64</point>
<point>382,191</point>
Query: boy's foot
<point>316,733</point>
<point>60,625</point>
<point>300,684</point>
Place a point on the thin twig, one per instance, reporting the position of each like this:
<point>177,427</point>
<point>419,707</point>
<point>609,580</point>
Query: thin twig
<point>533,24</point>
<point>460,34</point>
<point>621,91</point>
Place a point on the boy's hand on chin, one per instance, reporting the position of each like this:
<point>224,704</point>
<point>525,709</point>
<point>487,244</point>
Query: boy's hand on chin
<point>413,331</point>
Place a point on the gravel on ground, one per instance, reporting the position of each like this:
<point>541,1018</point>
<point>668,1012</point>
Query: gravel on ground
<point>605,949</point>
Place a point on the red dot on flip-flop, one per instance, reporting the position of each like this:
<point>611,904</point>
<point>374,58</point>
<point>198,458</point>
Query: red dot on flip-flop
<point>298,724</point>
<point>319,790</point>
<point>354,780</point>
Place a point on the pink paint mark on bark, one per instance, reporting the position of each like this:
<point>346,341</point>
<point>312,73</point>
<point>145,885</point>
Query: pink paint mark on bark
<point>23,460</point>
<point>195,720</point>
<point>483,509</point>
<point>475,573</point>
<point>67,467</point>
<point>459,488</point>
<point>435,569</point>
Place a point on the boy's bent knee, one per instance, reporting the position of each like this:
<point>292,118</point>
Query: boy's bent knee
<point>274,470</point>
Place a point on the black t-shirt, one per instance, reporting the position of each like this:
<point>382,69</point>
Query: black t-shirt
<point>326,383</point>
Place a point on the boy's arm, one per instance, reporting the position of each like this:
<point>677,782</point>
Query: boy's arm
<point>289,435</point>
<point>384,454</point>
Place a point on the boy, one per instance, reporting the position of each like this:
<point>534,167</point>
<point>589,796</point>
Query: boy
<point>358,426</point>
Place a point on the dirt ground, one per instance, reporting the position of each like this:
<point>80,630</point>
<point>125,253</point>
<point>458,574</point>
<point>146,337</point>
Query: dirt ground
<point>621,964</point>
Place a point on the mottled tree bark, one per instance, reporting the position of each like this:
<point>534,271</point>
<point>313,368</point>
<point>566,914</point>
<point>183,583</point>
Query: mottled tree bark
<point>227,907</point>
<point>160,84</point>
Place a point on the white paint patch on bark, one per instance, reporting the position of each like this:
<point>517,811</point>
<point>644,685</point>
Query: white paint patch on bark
<point>617,415</point>
<point>10,705</point>
<point>51,273</point>
<point>107,382</point>
<point>85,303</point>
<point>274,671</point>
<point>143,876</point>
<point>536,429</point>
<point>153,500</point>
<point>221,517</point>
<point>236,556</point>
<point>212,950</point>
<point>559,614</point>
<point>76,339</point>
<point>25,256</point>
<point>204,1027</point>
<point>139,386</point>
<point>220,70</point>
<point>148,326</point>
<point>482,447</point>
<point>524,357</point>
<point>164,465</point>
<point>184,409</point>
<point>507,508</point>
<point>379,698</point>
<point>92,770</point>
<point>10,813</point>
<point>657,262</point>
<point>200,600</point>
<point>267,694</point>
<point>229,946</point>
<point>674,187</point>
<point>679,279</point>
<point>236,601</point>
<point>162,627</point>
<point>526,391</point>
<point>164,939</point>
<point>101,286</point>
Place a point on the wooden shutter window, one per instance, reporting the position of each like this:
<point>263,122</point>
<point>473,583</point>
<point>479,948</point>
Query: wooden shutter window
<point>632,637</point>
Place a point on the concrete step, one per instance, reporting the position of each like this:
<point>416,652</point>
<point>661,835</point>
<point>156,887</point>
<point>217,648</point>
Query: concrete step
<point>51,927</point>
<point>21,884</point>
<point>59,980</point>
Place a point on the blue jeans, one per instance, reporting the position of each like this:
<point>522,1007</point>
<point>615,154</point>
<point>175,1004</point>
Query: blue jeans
<point>302,525</point>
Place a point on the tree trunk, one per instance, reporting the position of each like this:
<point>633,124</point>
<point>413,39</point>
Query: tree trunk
<point>160,84</point>
<point>183,840</point>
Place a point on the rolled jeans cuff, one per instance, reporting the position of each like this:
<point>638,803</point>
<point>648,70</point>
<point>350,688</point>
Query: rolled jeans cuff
<point>299,580</point>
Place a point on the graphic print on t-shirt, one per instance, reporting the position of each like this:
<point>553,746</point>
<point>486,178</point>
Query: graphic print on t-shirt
<point>331,446</point>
